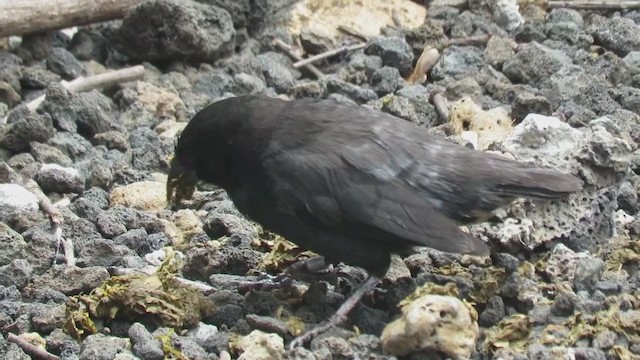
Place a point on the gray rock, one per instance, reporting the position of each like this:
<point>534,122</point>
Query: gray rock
<point>12,244</point>
<point>102,347</point>
<point>227,315</point>
<point>498,50</point>
<point>316,40</point>
<point>618,34</point>
<point>412,104</point>
<point>46,154</point>
<point>588,272</point>
<point>72,280</point>
<point>60,343</point>
<point>55,178</point>
<point>588,353</point>
<point>539,314</point>
<point>493,312</point>
<point>17,273</point>
<point>530,32</point>
<point>88,113</point>
<point>72,144</point>
<point>102,253</point>
<point>112,140</point>
<point>459,62</point>
<point>630,98</point>
<point>36,77</point>
<point>47,317</point>
<point>166,30</point>
<point>189,348</point>
<point>568,33</point>
<point>14,199</point>
<point>394,52</point>
<point>144,344</point>
<point>62,62</point>
<point>23,127</point>
<point>99,174</point>
<point>354,92</point>
<point>238,9</point>
<point>633,58</point>
<point>246,84</point>
<point>565,15</point>
<point>524,99</point>
<point>277,70</point>
<point>212,82</point>
<point>605,339</point>
<point>149,151</point>
<point>564,304</point>
<point>534,62</point>
<point>609,287</point>
<point>386,80</point>
<point>368,64</point>
<point>203,333</point>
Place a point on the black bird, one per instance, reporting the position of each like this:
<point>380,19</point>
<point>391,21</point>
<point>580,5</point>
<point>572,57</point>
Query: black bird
<point>350,183</point>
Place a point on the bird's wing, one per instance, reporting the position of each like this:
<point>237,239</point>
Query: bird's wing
<point>359,188</point>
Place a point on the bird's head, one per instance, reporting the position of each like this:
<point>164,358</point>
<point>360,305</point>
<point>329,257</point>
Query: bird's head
<point>182,178</point>
<point>202,151</point>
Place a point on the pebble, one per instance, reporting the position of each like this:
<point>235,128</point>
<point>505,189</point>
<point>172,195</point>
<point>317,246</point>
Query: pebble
<point>15,199</point>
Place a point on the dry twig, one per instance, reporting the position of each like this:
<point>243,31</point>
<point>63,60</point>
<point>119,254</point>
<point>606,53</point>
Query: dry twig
<point>440,103</point>
<point>103,80</point>
<point>426,61</point>
<point>599,4</point>
<point>473,40</point>
<point>19,17</point>
<point>353,32</point>
<point>282,46</point>
<point>327,54</point>
<point>35,351</point>
<point>55,216</point>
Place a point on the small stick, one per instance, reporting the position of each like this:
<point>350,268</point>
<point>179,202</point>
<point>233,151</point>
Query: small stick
<point>353,32</point>
<point>327,54</point>
<point>282,46</point>
<point>440,103</point>
<point>603,4</point>
<point>426,61</point>
<point>35,351</point>
<point>55,216</point>
<point>93,82</point>
<point>474,40</point>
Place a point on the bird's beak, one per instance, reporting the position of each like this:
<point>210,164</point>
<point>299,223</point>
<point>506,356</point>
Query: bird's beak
<point>180,180</point>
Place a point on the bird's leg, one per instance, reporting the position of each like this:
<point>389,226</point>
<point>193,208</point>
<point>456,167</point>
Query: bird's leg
<point>340,315</point>
<point>315,265</point>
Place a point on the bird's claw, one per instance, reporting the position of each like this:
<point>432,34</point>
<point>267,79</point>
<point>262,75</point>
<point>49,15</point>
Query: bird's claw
<point>306,337</point>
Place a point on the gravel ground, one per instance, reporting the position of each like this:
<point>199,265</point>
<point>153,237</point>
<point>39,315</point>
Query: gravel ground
<point>564,278</point>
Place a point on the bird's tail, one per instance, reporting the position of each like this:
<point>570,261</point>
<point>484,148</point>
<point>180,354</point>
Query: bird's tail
<point>538,184</point>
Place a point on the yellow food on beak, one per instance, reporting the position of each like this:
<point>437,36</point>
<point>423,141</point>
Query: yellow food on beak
<point>181,184</point>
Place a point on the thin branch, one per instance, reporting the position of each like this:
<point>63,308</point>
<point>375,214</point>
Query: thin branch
<point>94,82</point>
<point>327,54</point>
<point>55,216</point>
<point>440,103</point>
<point>353,32</point>
<point>425,63</point>
<point>473,40</point>
<point>35,351</point>
<point>602,4</point>
<point>282,46</point>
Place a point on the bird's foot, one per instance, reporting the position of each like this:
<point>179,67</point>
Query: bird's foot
<point>266,281</point>
<point>340,316</point>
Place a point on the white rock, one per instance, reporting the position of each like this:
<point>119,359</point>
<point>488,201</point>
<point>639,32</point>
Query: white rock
<point>545,135</point>
<point>16,199</point>
<point>143,195</point>
<point>259,345</point>
<point>432,322</point>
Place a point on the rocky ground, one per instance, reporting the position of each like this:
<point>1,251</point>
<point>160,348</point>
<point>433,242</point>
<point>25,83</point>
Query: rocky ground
<point>564,278</point>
